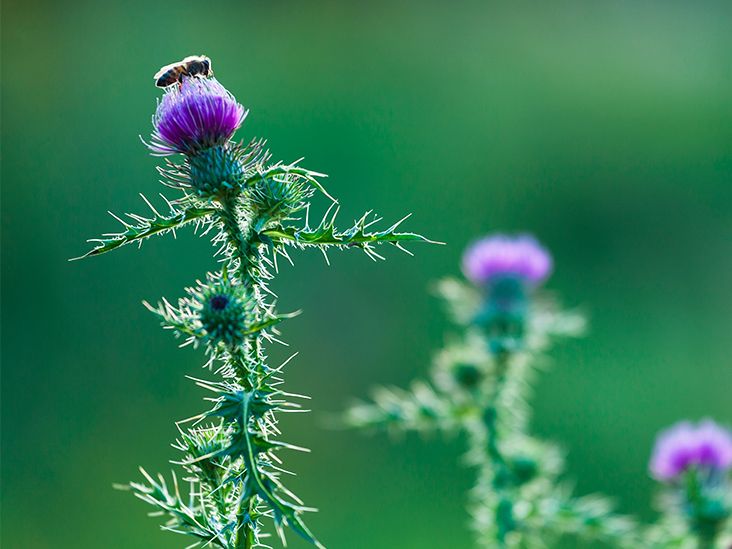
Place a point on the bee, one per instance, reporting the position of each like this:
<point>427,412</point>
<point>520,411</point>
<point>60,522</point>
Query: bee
<point>193,65</point>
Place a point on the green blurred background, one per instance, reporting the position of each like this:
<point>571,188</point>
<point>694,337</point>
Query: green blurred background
<point>603,127</point>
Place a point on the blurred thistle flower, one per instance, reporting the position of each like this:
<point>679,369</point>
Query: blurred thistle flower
<point>197,115</point>
<point>706,446</point>
<point>506,266</point>
<point>504,256</point>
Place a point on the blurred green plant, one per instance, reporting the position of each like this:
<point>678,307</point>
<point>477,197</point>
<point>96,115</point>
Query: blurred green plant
<point>480,385</point>
<point>254,211</point>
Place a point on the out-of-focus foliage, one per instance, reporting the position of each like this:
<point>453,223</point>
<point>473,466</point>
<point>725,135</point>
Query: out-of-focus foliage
<point>481,385</point>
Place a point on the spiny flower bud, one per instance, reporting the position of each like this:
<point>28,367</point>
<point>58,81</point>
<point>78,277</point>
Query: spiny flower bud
<point>215,170</point>
<point>197,115</point>
<point>280,197</point>
<point>224,314</point>
<point>217,311</point>
<point>706,446</point>
<point>503,256</point>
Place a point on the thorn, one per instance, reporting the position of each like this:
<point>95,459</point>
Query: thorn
<point>137,218</point>
<point>124,223</point>
<point>402,220</point>
<point>402,248</point>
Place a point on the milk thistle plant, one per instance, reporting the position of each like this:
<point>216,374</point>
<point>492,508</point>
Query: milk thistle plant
<point>256,211</point>
<point>480,385</point>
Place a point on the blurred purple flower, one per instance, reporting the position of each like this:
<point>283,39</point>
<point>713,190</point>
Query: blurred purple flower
<point>503,255</point>
<point>197,115</point>
<point>705,445</point>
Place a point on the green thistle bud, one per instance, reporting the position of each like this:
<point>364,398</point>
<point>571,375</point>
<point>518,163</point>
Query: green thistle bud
<point>215,171</point>
<point>280,197</point>
<point>524,469</point>
<point>199,447</point>
<point>224,313</point>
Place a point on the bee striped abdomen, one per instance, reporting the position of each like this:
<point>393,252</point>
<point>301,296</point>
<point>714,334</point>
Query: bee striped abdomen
<point>168,78</point>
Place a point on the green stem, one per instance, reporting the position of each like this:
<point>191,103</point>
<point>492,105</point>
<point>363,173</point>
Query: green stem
<point>706,525</point>
<point>500,472</point>
<point>240,244</point>
<point>246,517</point>
<point>247,364</point>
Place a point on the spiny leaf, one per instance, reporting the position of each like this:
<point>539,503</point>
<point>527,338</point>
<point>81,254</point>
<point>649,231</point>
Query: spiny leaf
<point>326,234</point>
<point>592,517</point>
<point>186,518</point>
<point>269,322</point>
<point>244,408</point>
<point>144,227</point>
<point>420,408</point>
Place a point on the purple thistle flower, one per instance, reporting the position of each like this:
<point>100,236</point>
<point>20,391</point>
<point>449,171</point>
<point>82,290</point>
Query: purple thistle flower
<point>503,255</point>
<point>197,115</point>
<point>705,445</point>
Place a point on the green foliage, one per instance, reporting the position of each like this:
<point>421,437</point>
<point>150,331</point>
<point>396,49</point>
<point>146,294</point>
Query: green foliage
<point>142,228</point>
<point>251,441</point>
<point>190,518</point>
<point>326,235</point>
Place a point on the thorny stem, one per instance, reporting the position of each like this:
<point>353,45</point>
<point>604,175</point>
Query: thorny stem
<point>501,475</point>
<point>246,516</point>
<point>239,246</point>
<point>243,243</point>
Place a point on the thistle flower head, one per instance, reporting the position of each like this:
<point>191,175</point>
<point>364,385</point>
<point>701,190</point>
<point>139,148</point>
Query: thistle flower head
<point>686,445</point>
<point>197,115</point>
<point>502,256</point>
